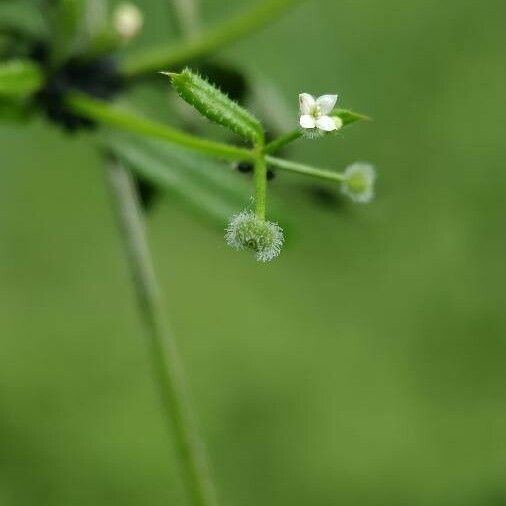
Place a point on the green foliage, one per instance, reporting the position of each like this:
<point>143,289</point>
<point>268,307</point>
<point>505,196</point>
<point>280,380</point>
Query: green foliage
<point>204,186</point>
<point>13,109</point>
<point>123,119</point>
<point>19,77</point>
<point>216,106</point>
<point>349,117</point>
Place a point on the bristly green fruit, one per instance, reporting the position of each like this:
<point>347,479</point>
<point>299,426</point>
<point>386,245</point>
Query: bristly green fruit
<point>216,106</point>
<point>263,238</point>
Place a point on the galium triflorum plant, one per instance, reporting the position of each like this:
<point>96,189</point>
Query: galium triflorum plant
<point>71,65</point>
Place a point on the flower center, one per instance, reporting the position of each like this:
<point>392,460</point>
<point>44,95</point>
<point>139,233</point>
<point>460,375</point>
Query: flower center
<point>316,112</point>
<point>357,183</point>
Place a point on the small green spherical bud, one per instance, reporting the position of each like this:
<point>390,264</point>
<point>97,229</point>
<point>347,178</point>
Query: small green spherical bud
<point>358,183</point>
<point>263,238</point>
<point>127,20</point>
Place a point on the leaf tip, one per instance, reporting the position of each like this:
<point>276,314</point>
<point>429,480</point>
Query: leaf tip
<point>168,74</point>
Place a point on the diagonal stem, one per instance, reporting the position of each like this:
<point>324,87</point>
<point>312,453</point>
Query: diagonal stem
<point>186,16</point>
<point>207,42</point>
<point>166,362</point>
<point>109,115</point>
<point>282,141</point>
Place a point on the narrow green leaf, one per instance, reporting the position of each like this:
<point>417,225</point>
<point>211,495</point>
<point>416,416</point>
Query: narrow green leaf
<point>349,117</point>
<point>216,106</point>
<point>125,120</point>
<point>172,173</point>
<point>217,177</point>
<point>19,77</point>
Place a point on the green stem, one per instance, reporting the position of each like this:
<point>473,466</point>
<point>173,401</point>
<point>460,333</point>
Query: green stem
<point>303,169</point>
<point>208,41</point>
<point>185,14</point>
<point>283,140</point>
<point>130,122</point>
<point>260,175</point>
<point>166,362</point>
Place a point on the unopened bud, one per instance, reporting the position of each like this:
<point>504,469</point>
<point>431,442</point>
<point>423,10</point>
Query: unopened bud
<point>128,21</point>
<point>358,183</point>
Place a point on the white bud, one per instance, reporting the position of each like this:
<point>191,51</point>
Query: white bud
<point>358,183</point>
<point>127,20</point>
<point>263,238</point>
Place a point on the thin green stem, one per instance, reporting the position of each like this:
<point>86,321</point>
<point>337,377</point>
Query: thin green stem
<point>165,358</point>
<point>283,140</point>
<point>260,176</point>
<point>207,42</point>
<point>130,122</point>
<point>186,16</point>
<point>305,170</point>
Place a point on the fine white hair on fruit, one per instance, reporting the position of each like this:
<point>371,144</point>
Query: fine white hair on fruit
<point>247,231</point>
<point>358,183</point>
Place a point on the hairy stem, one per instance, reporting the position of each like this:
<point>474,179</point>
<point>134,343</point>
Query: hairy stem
<point>122,119</point>
<point>305,170</point>
<point>208,41</point>
<point>166,362</point>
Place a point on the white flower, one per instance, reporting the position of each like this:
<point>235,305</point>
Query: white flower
<point>263,238</point>
<point>314,113</point>
<point>127,20</point>
<point>358,183</point>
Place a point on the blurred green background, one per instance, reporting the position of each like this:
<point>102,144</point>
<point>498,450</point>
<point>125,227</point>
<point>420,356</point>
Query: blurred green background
<point>365,366</point>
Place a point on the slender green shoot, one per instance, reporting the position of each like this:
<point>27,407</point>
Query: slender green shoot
<point>260,175</point>
<point>130,122</point>
<point>282,141</point>
<point>166,362</point>
<point>185,14</point>
<point>305,170</point>
<point>208,41</point>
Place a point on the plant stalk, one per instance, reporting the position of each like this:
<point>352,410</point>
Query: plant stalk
<point>282,141</point>
<point>165,359</point>
<point>260,176</point>
<point>125,120</point>
<point>207,42</point>
<point>305,170</point>
<point>186,17</point>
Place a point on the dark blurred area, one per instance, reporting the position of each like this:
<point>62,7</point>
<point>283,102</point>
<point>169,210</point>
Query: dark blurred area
<point>364,367</point>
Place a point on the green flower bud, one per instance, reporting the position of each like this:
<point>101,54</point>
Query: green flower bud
<point>127,20</point>
<point>263,238</point>
<point>358,183</point>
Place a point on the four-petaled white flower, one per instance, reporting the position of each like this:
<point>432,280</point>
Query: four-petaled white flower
<point>314,113</point>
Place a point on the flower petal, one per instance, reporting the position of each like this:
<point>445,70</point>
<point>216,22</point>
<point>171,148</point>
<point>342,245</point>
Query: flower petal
<point>326,123</point>
<point>326,103</point>
<point>306,103</point>
<point>307,121</point>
